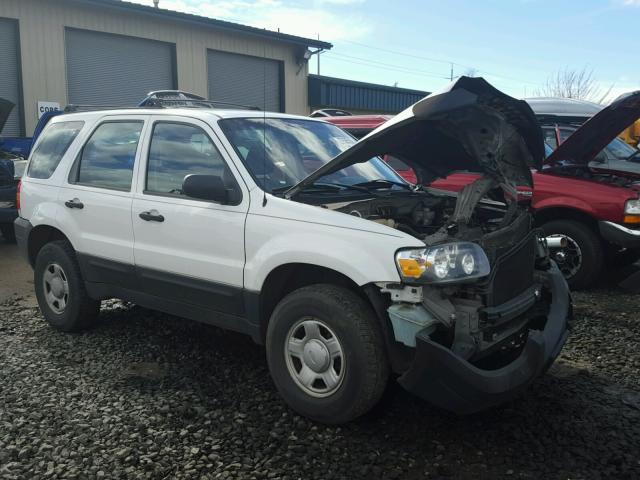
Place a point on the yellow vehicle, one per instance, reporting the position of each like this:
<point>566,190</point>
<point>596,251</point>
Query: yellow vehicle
<point>632,134</point>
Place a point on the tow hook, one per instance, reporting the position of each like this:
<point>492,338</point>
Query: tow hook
<point>556,241</point>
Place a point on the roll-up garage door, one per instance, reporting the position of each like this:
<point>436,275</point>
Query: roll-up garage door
<point>10,74</point>
<point>117,70</point>
<point>245,80</point>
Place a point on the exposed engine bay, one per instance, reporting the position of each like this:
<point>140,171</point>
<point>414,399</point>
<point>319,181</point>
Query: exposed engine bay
<point>586,172</point>
<point>479,213</point>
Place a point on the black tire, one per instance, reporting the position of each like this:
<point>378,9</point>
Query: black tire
<point>366,368</point>
<point>8,233</point>
<point>591,248</point>
<point>80,310</point>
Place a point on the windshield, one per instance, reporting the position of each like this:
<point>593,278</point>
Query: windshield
<point>280,152</point>
<point>620,149</point>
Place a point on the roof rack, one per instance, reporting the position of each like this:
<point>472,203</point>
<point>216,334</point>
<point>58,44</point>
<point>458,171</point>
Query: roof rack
<point>179,98</point>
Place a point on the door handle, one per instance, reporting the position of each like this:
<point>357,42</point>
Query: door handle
<point>151,216</point>
<point>75,203</point>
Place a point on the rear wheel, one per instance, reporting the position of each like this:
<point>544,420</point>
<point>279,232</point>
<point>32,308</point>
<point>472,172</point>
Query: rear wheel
<point>581,260</point>
<point>60,290</point>
<point>326,354</point>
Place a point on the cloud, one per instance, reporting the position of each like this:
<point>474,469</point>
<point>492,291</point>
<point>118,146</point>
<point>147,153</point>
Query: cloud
<point>628,3</point>
<point>332,20</point>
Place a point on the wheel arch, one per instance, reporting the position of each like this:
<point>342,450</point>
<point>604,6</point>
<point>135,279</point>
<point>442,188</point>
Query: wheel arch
<point>565,213</point>
<point>39,236</point>
<point>286,278</point>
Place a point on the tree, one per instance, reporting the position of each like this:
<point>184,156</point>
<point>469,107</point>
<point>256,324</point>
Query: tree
<point>471,72</point>
<point>568,83</point>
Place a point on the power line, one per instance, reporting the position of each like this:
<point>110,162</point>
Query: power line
<point>380,67</point>
<point>431,59</point>
<point>395,52</point>
<point>388,65</point>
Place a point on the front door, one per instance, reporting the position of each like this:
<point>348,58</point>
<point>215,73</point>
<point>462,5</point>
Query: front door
<point>188,250</point>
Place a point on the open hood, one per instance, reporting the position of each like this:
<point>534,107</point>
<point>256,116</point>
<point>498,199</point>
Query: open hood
<point>5,110</point>
<point>469,126</point>
<point>587,141</point>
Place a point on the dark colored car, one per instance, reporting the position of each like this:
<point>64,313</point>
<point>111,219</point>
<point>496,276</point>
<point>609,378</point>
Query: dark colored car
<point>560,117</point>
<point>11,169</point>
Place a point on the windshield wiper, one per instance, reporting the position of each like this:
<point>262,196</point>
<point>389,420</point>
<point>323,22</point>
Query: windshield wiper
<point>327,187</point>
<point>634,154</point>
<point>316,187</point>
<point>382,183</point>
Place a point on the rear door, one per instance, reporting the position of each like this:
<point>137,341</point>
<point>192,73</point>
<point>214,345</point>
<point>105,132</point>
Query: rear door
<point>188,250</point>
<point>95,200</point>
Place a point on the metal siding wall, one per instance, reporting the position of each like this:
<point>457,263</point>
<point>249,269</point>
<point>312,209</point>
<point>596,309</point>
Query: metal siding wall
<point>244,80</point>
<point>106,69</point>
<point>328,92</point>
<point>9,70</point>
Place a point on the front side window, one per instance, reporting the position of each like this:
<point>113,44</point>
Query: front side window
<point>54,143</point>
<point>550,137</point>
<point>280,152</point>
<point>108,156</point>
<point>178,150</point>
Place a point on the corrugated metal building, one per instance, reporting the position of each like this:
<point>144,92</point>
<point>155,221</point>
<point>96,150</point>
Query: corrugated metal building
<point>110,52</point>
<point>359,97</point>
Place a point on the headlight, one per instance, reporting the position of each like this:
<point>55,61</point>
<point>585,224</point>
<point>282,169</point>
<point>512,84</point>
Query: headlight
<point>632,207</point>
<point>449,262</point>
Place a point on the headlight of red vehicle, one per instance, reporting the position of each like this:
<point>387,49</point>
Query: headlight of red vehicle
<point>632,211</point>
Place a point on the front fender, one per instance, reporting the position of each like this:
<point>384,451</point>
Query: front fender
<point>564,202</point>
<point>362,256</point>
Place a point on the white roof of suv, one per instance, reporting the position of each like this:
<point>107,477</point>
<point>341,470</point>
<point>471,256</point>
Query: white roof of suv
<point>200,113</point>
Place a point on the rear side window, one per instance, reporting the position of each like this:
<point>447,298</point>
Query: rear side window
<point>178,150</point>
<point>107,158</point>
<point>52,146</point>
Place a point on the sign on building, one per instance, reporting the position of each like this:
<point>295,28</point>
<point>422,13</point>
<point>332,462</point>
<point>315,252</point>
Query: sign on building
<point>44,107</point>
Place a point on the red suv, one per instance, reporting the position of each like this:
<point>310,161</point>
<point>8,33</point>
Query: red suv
<point>597,209</point>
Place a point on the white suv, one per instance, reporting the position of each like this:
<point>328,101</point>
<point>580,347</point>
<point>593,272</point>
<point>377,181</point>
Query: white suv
<point>286,229</point>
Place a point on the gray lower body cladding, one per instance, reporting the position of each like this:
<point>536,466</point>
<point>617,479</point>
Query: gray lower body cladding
<point>447,380</point>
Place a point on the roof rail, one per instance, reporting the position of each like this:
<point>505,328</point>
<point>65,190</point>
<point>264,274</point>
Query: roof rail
<point>179,98</point>
<point>71,108</point>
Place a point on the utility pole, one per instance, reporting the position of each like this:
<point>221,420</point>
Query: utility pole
<point>319,57</point>
<point>451,74</point>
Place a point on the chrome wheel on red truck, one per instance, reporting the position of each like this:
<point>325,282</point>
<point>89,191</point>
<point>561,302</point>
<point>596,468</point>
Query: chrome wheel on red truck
<point>581,260</point>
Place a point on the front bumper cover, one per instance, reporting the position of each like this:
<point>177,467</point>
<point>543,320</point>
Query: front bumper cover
<point>619,234</point>
<point>452,383</point>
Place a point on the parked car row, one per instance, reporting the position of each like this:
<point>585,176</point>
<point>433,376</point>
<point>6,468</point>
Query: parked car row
<point>287,229</point>
<point>587,190</point>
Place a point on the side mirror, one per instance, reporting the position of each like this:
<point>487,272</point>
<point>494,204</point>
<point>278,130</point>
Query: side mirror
<point>207,187</point>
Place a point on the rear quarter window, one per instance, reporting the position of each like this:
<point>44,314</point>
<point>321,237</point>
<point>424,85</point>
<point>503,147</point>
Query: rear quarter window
<point>54,143</point>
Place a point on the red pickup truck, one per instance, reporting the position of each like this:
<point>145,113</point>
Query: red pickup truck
<point>598,210</point>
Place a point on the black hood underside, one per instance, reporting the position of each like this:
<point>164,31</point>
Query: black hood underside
<point>470,126</point>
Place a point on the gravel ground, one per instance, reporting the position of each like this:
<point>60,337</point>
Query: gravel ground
<point>145,395</point>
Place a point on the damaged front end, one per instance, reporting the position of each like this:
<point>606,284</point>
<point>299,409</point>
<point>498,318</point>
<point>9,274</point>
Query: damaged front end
<point>472,344</point>
<point>480,310</point>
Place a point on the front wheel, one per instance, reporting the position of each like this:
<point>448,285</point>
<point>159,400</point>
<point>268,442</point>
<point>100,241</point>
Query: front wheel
<point>581,260</point>
<point>326,353</point>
